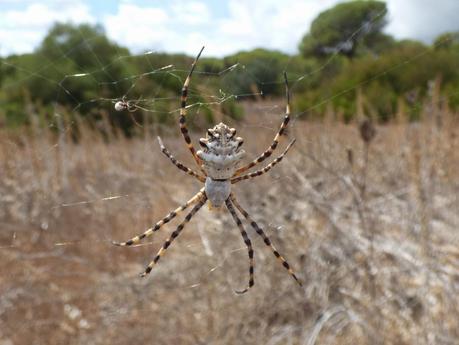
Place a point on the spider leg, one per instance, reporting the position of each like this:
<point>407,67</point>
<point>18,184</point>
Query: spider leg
<point>247,243</point>
<point>174,235</point>
<point>279,134</point>
<point>265,239</point>
<point>265,169</point>
<point>183,112</point>
<point>179,164</point>
<point>163,221</point>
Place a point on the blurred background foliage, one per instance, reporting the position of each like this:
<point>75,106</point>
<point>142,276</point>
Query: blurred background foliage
<point>78,72</point>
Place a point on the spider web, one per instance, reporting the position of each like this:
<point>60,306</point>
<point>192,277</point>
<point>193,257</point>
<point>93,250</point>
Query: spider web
<point>150,104</point>
<point>119,196</point>
<point>153,104</point>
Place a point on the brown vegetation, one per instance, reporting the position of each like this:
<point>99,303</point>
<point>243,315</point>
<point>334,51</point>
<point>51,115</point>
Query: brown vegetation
<point>370,226</point>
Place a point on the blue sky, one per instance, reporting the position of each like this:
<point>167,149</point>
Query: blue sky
<point>224,27</point>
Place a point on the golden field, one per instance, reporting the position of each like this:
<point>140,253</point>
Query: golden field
<point>370,227</point>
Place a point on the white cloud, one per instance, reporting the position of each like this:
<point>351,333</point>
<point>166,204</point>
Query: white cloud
<point>422,19</point>
<point>39,16</point>
<point>139,28</point>
<point>186,26</point>
<point>183,26</point>
<point>22,31</point>
<point>190,13</point>
<point>271,24</point>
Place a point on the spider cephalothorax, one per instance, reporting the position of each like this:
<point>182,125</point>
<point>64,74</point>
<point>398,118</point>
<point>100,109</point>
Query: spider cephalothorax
<point>221,152</point>
<point>221,155</point>
<point>219,161</point>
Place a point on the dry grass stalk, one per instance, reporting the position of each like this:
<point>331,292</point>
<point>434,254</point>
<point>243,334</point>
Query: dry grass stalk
<point>62,282</point>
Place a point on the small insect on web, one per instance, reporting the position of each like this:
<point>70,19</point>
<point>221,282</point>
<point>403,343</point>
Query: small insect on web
<point>219,161</point>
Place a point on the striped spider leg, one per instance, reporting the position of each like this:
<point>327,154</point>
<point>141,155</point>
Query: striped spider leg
<point>247,242</point>
<point>276,139</point>
<point>200,199</point>
<point>179,164</point>
<point>265,169</point>
<point>183,112</point>
<point>199,196</point>
<point>266,240</point>
<point>175,234</point>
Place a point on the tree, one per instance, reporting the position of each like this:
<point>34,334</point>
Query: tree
<point>86,45</point>
<point>73,66</point>
<point>447,40</point>
<point>78,50</point>
<point>345,28</point>
<point>261,69</point>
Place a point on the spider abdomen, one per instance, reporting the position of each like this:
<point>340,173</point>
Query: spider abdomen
<point>217,191</point>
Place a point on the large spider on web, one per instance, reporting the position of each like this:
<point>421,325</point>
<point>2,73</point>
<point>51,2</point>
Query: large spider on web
<point>219,162</point>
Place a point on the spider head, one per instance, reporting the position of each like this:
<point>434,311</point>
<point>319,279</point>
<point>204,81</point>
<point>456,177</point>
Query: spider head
<point>221,151</point>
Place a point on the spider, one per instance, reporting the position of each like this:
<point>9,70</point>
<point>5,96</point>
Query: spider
<point>219,162</point>
<point>123,105</point>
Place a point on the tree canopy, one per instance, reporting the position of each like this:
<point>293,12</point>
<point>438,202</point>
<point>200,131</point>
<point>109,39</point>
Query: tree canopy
<point>345,28</point>
<point>78,70</point>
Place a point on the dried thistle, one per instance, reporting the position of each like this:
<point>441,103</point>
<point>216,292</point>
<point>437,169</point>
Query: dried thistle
<point>350,156</point>
<point>367,130</point>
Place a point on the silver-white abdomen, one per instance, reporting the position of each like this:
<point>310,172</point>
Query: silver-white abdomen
<point>217,191</point>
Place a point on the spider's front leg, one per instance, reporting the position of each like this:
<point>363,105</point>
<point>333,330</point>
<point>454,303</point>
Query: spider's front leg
<point>247,242</point>
<point>266,239</point>
<point>265,169</point>
<point>183,113</point>
<point>279,134</point>
<point>179,164</point>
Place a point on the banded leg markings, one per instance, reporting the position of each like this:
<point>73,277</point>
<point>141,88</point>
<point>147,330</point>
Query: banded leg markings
<point>266,168</point>
<point>183,113</point>
<point>247,242</point>
<point>163,221</point>
<point>266,240</point>
<point>173,236</point>
<point>178,164</point>
<point>277,137</point>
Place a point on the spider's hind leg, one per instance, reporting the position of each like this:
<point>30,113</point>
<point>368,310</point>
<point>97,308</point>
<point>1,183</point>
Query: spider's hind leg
<point>174,235</point>
<point>247,242</point>
<point>265,239</point>
<point>163,221</point>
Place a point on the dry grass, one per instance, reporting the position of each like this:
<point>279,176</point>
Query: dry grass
<point>376,240</point>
